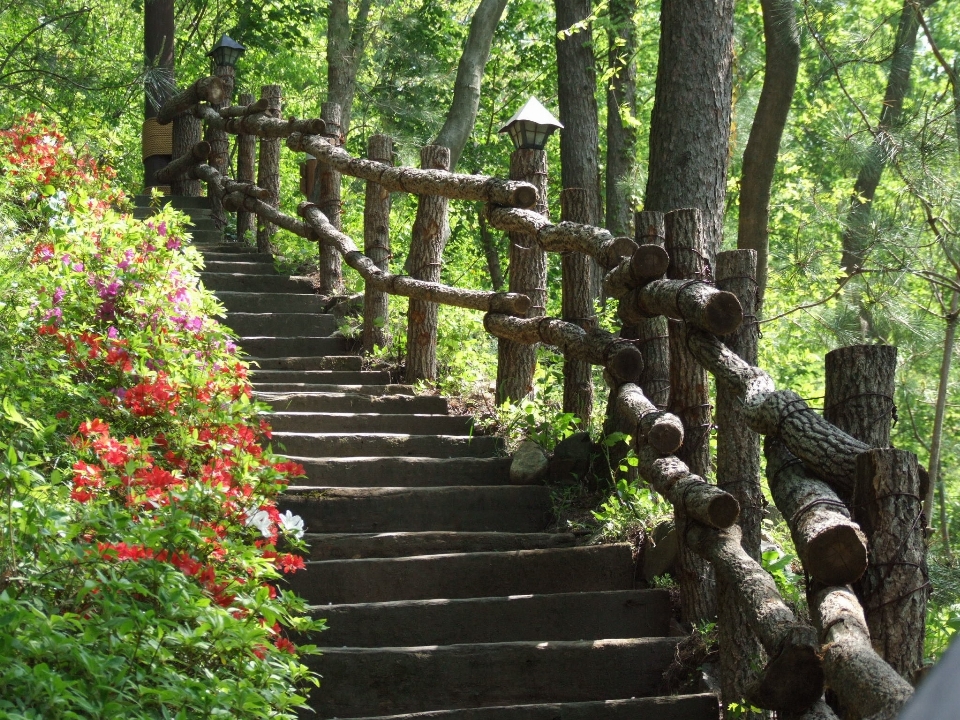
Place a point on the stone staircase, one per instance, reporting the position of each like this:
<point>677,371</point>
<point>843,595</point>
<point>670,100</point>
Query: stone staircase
<point>445,595</point>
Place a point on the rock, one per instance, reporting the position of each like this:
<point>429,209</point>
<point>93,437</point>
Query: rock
<point>346,306</point>
<point>529,464</point>
<point>660,551</point>
<point>566,471</point>
<point>572,458</point>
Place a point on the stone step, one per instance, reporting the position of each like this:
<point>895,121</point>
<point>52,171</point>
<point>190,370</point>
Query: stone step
<point>253,302</point>
<point>177,201</point>
<point>562,616</point>
<point>239,282</point>
<point>221,247</point>
<point>249,256</point>
<point>352,402</point>
<point>408,423</point>
<point>279,347</point>
<point>329,362</point>
<point>280,324</point>
<point>233,267</point>
<point>292,387</point>
<point>321,377</point>
<point>206,237</point>
<point>503,508</point>
<point>381,681</point>
<point>405,471</point>
<point>356,546</point>
<point>464,575</point>
<point>705,706</point>
<point>334,445</point>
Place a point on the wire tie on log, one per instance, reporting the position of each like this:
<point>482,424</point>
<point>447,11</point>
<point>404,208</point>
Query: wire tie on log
<point>795,518</point>
<point>684,286</point>
<point>644,341</point>
<point>904,596</point>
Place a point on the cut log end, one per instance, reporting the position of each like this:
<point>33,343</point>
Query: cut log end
<point>525,197</point>
<point>649,261</point>
<point>793,679</point>
<point>665,436</point>
<point>616,250</point>
<point>626,364</point>
<point>510,304</point>
<point>316,126</point>
<point>723,510</point>
<point>837,556</point>
<point>722,313</point>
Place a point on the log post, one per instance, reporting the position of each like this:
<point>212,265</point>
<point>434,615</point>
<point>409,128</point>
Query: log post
<point>888,500</point>
<point>268,167</point>
<point>219,143</point>
<point>158,45</point>
<point>690,401</point>
<point>738,472</point>
<point>651,333</point>
<point>577,308</point>
<point>327,191</point>
<point>376,245</point>
<point>859,391</point>
<point>187,132</point>
<point>246,160</point>
<point>431,230</point>
<point>516,362</point>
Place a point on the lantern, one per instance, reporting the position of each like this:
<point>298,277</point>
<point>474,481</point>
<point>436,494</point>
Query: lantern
<point>531,126</point>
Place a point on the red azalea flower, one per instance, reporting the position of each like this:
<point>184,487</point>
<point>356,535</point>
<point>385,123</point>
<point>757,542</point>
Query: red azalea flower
<point>290,563</point>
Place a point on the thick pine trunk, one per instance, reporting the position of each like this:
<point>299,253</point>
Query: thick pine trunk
<point>430,233</point>
<point>860,383</point>
<point>516,362</point>
<point>158,46</point>
<point>651,333</point>
<point>220,143</point>
<point>489,246</point>
<point>327,196</point>
<point>577,306</point>
<point>345,47</point>
<point>376,245</point>
<point>268,167</point>
<point>187,132</point>
<point>246,172</point>
<point>621,109</point>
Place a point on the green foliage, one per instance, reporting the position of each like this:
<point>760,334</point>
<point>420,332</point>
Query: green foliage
<point>628,506</point>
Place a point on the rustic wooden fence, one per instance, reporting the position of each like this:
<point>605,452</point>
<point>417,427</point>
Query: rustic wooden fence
<point>851,502</point>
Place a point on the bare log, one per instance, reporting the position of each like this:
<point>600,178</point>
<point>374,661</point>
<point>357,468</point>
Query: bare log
<point>207,89</point>
<point>831,545</point>
<point>490,302</point>
<point>596,242</point>
<point>648,262</point>
<point>245,108</point>
<point>828,452</point>
<point>697,303</point>
<point>418,182</point>
<point>577,307</point>
<point>866,685</point>
<point>246,172</point>
<point>689,493</point>
<point>639,417</point>
<point>196,155</point>
<point>263,124</point>
<point>792,679</point>
<point>595,346</point>
<point>858,397</point>
<point>376,244</point>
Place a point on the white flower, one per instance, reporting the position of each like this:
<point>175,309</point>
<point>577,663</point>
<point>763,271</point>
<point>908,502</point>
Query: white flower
<point>261,521</point>
<point>292,524</point>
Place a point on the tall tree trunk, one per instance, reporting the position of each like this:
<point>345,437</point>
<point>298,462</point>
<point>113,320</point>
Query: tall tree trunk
<point>576,93</point>
<point>621,115</point>
<point>246,172</point>
<point>577,307</point>
<point>376,246</point>
<point>158,37</point>
<point>220,143</point>
<point>268,168</point>
<point>489,246</point>
<point>327,195</point>
<point>690,124</point>
<point>345,46</point>
<point>782,43</point>
<point>466,92</point>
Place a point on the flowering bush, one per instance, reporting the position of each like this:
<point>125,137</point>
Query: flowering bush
<point>141,543</point>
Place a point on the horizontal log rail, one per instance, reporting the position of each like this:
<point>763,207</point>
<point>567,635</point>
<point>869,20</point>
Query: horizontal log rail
<point>197,155</point>
<point>260,106</point>
<point>261,125</point>
<point>697,303</point>
<point>455,186</point>
<point>647,263</point>
<point>207,89</point>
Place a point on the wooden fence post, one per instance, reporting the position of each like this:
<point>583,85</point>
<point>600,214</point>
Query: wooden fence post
<point>738,472</point>
<point>690,401</point>
<point>376,246</point>
<point>431,231</point>
<point>516,362</point>
<point>246,160</point>
<point>860,382</point>
<point>268,167</point>
<point>220,143</point>
<point>327,190</point>
<point>651,333</point>
<point>577,307</point>
<point>187,132</point>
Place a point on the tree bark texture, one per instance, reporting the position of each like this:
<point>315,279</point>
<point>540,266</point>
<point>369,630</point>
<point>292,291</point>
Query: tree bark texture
<point>319,227</point>
<point>690,124</point>
<point>489,246</point>
<point>621,111</point>
<point>696,303</point>
<point>328,190</point>
<point>828,452</point>
<point>268,168</point>
<point>246,172</point>
<point>690,260</point>
<point>219,142</point>
<point>860,385</point>
<point>516,362</point>
<point>648,262</point>
<point>345,47</point>
<point>782,62</point>
<point>158,47</point>
<point>246,108</point>
<point>738,472</point>
<point>265,124</point>
<point>607,250</point>
<point>454,186</point>
<point>593,346</point>
<point>830,544</point>
<point>196,155</point>
<point>637,416</point>
<point>431,230</point>
<point>895,587</point>
<point>376,245</point>
<point>577,307</point>
<point>651,333</point>
<point>792,678</point>
<point>462,114</point>
<point>187,132</point>
<point>866,686</point>
<point>207,89</point>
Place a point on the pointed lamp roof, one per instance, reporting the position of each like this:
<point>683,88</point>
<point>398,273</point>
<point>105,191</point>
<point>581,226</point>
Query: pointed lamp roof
<point>227,42</point>
<point>533,111</point>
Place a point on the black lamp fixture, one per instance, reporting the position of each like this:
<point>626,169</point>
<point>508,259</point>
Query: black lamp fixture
<point>227,51</point>
<point>531,126</point>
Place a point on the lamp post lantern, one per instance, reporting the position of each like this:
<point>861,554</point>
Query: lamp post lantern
<point>225,55</point>
<point>227,51</point>
<point>531,126</point>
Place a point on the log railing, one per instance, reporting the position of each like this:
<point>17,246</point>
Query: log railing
<point>814,468</point>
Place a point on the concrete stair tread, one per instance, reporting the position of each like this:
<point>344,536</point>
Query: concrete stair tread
<point>405,471</point>
<point>352,363</point>
<point>279,347</point>
<point>410,423</point>
<point>352,402</point>
<point>282,388</point>
<point>355,546</point>
<point>252,257</point>
<point>320,377</point>
<point>559,616</point>
<point>333,444</point>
